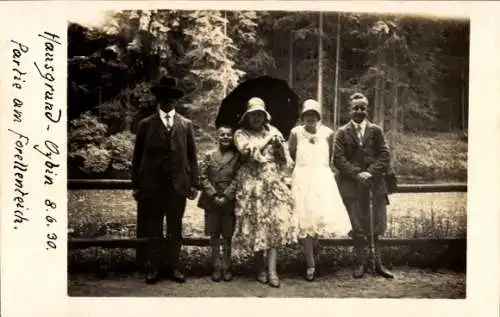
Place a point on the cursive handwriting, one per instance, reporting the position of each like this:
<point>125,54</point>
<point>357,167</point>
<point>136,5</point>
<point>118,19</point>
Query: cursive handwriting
<point>50,166</point>
<point>20,169</point>
<point>18,78</point>
<point>33,151</point>
<point>47,72</point>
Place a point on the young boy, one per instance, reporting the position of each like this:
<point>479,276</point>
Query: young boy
<point>218,170</point>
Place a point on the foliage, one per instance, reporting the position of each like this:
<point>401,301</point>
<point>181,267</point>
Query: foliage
<point>413,70</point>
<point>210,54</point>
<point>95,149</point>
<point>120,147</point>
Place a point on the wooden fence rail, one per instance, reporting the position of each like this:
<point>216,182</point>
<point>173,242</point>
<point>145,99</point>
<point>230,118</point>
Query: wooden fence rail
<point>127,243</point>
<point>131,243</point>
<point>110,184</point>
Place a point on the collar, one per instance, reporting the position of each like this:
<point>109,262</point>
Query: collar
<point>170,114</point>
<point>362,124</point>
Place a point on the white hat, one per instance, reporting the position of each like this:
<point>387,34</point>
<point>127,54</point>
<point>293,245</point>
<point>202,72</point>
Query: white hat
<point>311,105</point>
<point>255,104</point>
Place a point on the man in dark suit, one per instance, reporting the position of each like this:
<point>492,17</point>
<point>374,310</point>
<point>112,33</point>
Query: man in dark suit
<point>164,174</point>
<point>362,159</point>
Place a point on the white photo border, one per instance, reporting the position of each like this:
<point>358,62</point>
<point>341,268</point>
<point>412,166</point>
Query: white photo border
<point>34,281</point>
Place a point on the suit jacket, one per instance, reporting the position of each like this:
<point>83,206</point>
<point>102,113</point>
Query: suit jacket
<point>217,177</point>
<point>351,158</point>
<point>147,176</point>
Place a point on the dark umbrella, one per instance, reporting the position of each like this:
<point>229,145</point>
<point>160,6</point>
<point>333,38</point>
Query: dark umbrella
<point>281,102</point>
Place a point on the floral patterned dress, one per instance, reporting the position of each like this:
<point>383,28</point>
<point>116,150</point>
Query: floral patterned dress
<point>264,202</point>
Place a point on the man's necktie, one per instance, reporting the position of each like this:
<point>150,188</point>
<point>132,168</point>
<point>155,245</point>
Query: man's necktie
<point>168,120</point>
<point>360,134</point>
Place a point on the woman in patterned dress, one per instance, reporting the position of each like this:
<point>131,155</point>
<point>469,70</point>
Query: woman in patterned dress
<point>264,204</point>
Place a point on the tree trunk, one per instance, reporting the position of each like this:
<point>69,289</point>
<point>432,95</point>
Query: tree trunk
<point>224,89</point>
<point>337,62</point>
<point>395,100</point>
<point>379,111</point>
<point>128,106</point>
<point>320,61</point>
<point>463,90</point>
<point>290,59</point>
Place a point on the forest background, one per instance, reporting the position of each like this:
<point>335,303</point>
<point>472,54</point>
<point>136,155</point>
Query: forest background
<point>414,71</point>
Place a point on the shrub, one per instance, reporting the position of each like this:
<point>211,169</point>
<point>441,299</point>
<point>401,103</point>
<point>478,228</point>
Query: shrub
<point>121,147</point>
<point>95,158</point>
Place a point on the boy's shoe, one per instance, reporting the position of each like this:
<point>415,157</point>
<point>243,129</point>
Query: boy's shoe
<point>216,276</point>
<point>262,277</point>
<point>227,275</point>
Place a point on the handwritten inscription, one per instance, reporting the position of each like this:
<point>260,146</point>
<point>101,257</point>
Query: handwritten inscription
<point>48,151</point>
<point>51,237</point>
<point>18,78</point>
<point>20,168</point>
<point>50,148</point>
<point>47,73</point>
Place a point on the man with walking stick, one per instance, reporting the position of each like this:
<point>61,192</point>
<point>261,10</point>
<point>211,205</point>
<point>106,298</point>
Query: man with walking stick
<point>362,159</point>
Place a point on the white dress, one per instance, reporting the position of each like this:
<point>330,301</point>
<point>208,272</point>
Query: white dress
<point>321,211</point>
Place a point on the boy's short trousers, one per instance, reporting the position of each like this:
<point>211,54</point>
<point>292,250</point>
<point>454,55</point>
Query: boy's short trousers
<point>220,221</point>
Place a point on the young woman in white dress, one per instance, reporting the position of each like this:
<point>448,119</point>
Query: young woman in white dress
<point>318,203</point>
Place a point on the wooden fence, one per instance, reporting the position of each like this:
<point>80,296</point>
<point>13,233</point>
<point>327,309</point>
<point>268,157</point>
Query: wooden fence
<point>113,184</point>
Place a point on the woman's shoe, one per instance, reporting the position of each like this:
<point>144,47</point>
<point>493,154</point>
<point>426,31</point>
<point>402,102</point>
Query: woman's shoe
<point>216,276</point>
<point>262,277</point>
<point>310,274</point>
<point>274,280</point>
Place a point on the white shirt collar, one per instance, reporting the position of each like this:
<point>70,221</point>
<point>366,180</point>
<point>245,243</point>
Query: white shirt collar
<point>167,118</point>
<point>170,114</point>
<point>362,124</point>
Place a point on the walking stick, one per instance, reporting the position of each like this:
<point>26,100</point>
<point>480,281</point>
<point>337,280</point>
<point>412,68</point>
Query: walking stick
<point>372,234</point>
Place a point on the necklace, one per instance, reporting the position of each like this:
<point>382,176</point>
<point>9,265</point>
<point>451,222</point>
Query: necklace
<point>311,135</point>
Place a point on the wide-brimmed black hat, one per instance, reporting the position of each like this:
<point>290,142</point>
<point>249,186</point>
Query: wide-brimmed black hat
<point>166,87</point>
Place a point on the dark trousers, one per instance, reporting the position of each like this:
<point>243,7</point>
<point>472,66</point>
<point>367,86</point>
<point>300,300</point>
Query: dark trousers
<point>359,214</point>
<point>151,213</point>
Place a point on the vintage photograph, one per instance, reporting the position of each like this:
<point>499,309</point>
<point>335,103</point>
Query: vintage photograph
<point>311,154</point>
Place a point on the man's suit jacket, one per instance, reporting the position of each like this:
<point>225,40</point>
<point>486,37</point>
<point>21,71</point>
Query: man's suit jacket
<point>351,158</point>
<point>147,178</point>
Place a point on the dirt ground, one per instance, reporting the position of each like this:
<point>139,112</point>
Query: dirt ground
<point>409,283</point>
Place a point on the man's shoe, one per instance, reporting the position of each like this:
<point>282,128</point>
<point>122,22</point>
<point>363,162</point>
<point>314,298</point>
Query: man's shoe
<point>177,276</point>
<point>361,257</point>
<point>152,277</point>
<point>380,269</point>
<point>359,271</point>
<point>384,272</point>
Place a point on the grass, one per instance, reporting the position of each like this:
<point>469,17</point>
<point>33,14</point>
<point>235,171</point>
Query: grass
<point>112,213</point>
<point>433,158</point>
